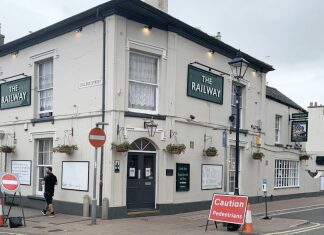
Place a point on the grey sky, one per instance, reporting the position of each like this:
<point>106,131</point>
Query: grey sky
<point>287,34</point>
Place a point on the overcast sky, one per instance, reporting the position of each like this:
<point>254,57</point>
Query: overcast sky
<point>288,34</point>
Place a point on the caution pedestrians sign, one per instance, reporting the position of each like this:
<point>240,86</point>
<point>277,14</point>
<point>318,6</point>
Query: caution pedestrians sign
<point>228,208</point>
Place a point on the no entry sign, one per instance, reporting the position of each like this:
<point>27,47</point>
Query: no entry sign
<point>228,208</point>
<point>9,182</point>
<point>97,137</point>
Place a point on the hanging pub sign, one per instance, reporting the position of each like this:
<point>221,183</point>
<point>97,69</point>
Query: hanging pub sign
<point>15,93</point>
<point>205,85</point>
<point>182,177</point>
<point>299,115</point>
<point>299,131</point>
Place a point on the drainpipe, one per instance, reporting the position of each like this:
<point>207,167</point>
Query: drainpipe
<point>103,107</point>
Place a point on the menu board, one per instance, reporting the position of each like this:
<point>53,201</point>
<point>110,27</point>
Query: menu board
<point>75,175</point>
<point>22,169</point>
<point>182,177</point>
<point>211,176</point>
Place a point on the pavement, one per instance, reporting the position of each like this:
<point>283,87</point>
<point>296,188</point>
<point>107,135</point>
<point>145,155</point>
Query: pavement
<point>288,218</point>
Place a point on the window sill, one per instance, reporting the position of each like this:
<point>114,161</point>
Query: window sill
<point>145,115</point>
<point>40,120</point>
<point>242,131</point>
<point>288,187</point>
<point>36,197</point>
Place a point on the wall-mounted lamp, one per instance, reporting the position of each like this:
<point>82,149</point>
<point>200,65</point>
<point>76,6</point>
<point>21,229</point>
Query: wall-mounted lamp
<point>79,30</point>
<point>211,52</point>
<point>151,127</point>
<point>14,54</point>
<point>172,133</point>
<point>147,29</point>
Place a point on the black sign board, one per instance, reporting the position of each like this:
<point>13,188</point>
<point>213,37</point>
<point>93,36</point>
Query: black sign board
<point>182,177</point>
<point>299,131</point>
<point>299,115</point>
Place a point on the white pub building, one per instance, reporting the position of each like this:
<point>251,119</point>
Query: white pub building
<point>165,89</point>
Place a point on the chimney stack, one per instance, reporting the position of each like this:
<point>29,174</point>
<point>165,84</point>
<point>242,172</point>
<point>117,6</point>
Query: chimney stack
<point>2,37</point>
<point>311,104</point>
<point>315,104</point>
<point>159,4</point>
<point>218,36</point>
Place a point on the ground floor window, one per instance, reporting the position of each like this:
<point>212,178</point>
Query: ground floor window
<point>286,173</point>
<point>231,170</point>
<point>44,159</point>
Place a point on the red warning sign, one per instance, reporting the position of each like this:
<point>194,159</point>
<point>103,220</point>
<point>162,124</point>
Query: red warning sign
<point>228,208</point>
<point>10,182</point>
<point>97,137</point>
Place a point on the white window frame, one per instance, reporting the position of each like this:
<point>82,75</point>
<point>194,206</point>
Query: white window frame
<point>232,156</point>
<point>49,60</point>
<point>38,166</point>
<point>233,104</point>
<point>278,119</point>
<point>286,173</point>
<point>158,58</point>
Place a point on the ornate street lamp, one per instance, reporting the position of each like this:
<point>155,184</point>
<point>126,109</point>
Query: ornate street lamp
<point>151,127</point>
<point>238,66</point>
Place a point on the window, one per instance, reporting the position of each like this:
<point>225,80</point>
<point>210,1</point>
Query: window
<point>286,173</point>
<point>233,104</point>
<point>45,88</point>
<point>44,159</point>
<point>231,170</point>
<point>143,82</point>
<point>277,129</point>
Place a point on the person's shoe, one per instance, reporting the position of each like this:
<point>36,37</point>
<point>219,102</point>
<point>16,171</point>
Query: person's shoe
<point>52,215</point>
<point>44,212</point>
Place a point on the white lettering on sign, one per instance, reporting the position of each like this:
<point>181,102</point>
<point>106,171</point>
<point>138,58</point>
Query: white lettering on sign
<point>14,97</point>
<point>90,83</point>
<point>205,89</point>
<point>13,182</point>
<point>219,202</point>
<point>97,137</point>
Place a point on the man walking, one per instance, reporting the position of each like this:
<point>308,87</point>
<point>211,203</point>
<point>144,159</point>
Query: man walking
<point>49,181</point>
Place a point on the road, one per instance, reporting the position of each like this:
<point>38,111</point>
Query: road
<point>313,214</point>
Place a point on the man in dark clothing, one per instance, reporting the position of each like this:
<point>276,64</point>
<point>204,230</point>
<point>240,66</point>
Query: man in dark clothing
<point>49,181</point>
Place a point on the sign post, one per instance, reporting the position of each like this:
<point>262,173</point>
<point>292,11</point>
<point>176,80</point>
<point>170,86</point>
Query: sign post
<point>9,183</point>
<point>264,189</point>
<point>97,138</point>
<point>228,209</point>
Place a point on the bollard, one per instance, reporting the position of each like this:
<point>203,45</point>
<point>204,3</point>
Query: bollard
<point>104,209</point>
<point>86,206</point>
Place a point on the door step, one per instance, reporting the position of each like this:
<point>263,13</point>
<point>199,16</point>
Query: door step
<point>143,212</point>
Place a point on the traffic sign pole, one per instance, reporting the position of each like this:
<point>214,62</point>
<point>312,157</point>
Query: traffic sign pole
<point>97,139</point>
<point>94,198</point>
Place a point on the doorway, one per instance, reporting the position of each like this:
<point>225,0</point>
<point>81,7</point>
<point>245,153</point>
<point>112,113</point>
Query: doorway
<point>141,176</point>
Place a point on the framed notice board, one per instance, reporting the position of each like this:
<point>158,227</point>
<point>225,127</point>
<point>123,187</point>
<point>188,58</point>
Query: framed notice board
<point>211,176</point>
<point>182,177</point>
<point>75,175</point>
<point>22,169</point>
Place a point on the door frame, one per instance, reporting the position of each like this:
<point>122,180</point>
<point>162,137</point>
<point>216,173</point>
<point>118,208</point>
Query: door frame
<point>156,172</point>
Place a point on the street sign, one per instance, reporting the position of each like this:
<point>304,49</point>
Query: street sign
<point>228,208</point>
<point>264,185</point>
<point>9,183</point>
<point>97,137</point>
<point>299,115</point>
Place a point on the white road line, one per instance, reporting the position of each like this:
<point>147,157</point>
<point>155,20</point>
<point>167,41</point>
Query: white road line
<point>8,233</point>
<point>296,211</point>
<point>300,230</point>
<point>291,209</point>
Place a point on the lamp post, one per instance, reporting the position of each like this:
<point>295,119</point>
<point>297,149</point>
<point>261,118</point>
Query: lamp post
<point>238,66</point>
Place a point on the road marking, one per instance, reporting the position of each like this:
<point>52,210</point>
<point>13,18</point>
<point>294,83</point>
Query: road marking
<point>296,211</point>
<point>8,233</point>
<point>293,208</point>
<point>315,226</point>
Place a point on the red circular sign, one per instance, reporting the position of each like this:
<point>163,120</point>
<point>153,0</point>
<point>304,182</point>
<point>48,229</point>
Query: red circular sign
<point>10,182</point>
<point>97,137</point>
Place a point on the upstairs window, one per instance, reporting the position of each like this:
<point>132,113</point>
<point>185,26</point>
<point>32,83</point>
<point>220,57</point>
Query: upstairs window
<point>45,88</point>
<point>143,83</point>
<point>277,128</point>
